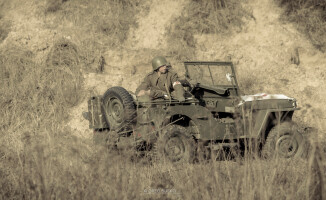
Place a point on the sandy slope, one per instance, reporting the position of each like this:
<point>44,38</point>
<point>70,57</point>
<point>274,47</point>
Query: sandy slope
<point>152,27</point>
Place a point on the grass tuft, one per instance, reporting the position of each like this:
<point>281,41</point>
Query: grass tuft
<point>54,5</point>
<point>62,77</point>
<point>63,53</point>
<point>5,28</point>
<point>204,17</point>
<point>310,18</point>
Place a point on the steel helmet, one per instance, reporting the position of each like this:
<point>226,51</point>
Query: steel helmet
<point>159,61</point>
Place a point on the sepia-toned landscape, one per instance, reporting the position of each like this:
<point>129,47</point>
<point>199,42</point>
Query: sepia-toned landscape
<point>56,54</point>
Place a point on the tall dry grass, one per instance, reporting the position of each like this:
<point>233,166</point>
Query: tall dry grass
<point>34,105</point>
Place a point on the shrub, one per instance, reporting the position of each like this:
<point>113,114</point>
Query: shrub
<point>204,17</point>
<point>5,28</point>
<point>310,17</point>
<point>63,53</point>
<point>54,5</point>
<point>63,75</point>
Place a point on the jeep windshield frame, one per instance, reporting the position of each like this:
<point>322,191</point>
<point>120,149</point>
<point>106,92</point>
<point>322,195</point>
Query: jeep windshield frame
<point>209,65</point>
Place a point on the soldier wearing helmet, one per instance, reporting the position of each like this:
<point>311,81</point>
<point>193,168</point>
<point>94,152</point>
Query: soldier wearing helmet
<point>162,81</point>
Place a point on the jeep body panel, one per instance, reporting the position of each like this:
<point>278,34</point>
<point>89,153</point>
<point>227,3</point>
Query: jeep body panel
<point>257,123</point>
<point>95,115</point>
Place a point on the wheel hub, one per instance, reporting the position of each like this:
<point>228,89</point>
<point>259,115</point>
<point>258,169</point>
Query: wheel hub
<point>287,146</point>
<point>115,109</point>
<point>174,149</point>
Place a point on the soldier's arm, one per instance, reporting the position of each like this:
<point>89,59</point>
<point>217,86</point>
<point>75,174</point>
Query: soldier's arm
<point>175,79</point>
<point>177,86</point>
<point>143,86</point>
<point>156,93</point>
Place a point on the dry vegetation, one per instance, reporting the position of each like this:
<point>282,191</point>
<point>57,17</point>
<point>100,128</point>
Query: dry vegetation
<point>310,18</point>
<point>99,25</point>
<point>41,159</point>
<point>204,17</point>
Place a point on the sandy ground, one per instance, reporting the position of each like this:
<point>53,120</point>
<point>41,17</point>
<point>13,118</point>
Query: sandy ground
<point>151,30</point>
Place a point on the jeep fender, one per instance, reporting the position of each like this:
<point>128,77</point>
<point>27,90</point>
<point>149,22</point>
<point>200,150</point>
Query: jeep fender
<point>193,116</point>
<point>264,121</point>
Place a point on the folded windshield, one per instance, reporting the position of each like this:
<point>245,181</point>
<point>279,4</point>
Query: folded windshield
<point>209,73</point>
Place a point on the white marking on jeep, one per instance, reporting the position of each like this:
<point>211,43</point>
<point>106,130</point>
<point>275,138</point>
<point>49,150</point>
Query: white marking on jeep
<point>263,96</point>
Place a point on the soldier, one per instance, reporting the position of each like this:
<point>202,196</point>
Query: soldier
<point>161,81</point>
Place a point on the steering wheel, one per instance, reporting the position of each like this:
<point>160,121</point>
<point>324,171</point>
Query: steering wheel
<point>190,83</point>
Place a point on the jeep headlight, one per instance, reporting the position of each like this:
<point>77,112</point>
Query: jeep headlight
<point>294,103</point>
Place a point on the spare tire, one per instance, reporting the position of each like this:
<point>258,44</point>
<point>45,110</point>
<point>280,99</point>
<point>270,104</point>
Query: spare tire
<point>118,108</point>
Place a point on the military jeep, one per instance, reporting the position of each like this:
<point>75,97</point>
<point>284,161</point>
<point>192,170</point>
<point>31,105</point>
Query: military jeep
<point>214,116</point>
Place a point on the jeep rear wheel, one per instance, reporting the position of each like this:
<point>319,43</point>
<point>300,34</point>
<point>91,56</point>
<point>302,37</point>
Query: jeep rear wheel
<point>175,145</point>
<point>118,108</point>
<point>284,141</point>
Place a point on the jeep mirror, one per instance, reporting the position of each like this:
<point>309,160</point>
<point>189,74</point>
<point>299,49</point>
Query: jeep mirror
<point>229,77</point>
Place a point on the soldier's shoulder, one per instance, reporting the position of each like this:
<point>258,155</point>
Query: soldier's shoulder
<point>150,74</point>
<point>172,73</point>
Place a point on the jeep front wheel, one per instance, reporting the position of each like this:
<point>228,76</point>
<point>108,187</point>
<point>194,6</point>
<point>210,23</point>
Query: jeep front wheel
<point>284,141</point>
<point>175,145</point>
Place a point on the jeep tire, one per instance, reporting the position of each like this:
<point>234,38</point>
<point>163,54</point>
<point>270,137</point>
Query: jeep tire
<point>284,141</point>
<point>175,145</point>
<point>118,108</point>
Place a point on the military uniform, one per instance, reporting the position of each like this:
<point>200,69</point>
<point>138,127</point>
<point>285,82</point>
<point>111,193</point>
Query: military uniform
<point>159,85</point>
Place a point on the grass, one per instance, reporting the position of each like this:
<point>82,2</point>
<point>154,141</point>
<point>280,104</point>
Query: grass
<point>40,158</point>
<point>310,18</point>
<point>34,104</point>
<point>204,17</point>
<point>5,27</point>
<point>97,26</point>
<point>54,5</point>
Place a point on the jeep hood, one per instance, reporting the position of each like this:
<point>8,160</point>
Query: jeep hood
<point>264,96</point>
<point>267,101</point>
